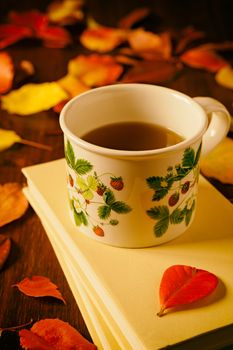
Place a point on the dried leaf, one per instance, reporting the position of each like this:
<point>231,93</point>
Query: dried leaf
<point>32,24</point>
<point>218,163</point>
<point>102,39</point>
<point>95,70</point>
<point>72,85</point>
<point>11,33</point>
<point>33,98</point>
<point>8,138</point>
<point>57,333</point>
<point>150,45</point>
<point>151,72</point>
<point>181,285</point>
<point>39,286</point>
<point>66,12</point>
<point>204,59</point>
<point>133,17</point>
<point>5,247</point>
<point>13,203</point>
<point>224,77</point>
<point>187,36</point>
<point>6,72</point>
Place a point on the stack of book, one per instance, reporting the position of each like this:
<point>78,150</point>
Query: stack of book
<point>117,289</point>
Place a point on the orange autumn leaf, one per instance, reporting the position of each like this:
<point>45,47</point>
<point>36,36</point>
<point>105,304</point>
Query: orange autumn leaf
<point>6,72</point>
<point>203,59</point>
<point>133,17</point>
<point>95,70</point>
<point>150,45</point>
<point>39,286</point>
<point>151,72</point>
<point>218,163</point>
<point>5,247</point>
<point>13,203</point>
<point>102,39</point>
<point>59,335</point>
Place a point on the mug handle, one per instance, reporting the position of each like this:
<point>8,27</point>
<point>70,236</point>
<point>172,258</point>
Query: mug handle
<point>219,122</point>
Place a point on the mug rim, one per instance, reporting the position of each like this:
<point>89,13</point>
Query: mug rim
<point>127,153</point>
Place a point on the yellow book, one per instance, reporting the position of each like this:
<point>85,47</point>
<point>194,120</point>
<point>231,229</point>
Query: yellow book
<point>125,282</point>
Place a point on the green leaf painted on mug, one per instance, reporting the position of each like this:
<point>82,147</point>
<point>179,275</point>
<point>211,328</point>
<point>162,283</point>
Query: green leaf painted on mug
<point>188,160</point>
<point>104,212</point>
<point>198,154</point>
<point>177,216</point>
<point>120,207</point>
<point>69,154</point>
<point>82,166</point>
<point>109,197</point>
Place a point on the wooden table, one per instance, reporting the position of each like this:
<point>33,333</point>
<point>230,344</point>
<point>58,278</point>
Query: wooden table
<point>31,252</point>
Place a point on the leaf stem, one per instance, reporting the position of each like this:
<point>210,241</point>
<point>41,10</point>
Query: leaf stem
<point>14,328</point>
<point>35,144</point>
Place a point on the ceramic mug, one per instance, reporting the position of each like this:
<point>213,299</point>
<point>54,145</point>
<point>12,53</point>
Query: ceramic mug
<point>145,197</point>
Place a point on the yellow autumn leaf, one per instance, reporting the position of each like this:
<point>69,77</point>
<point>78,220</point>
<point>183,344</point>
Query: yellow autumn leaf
<point>8,138</point>
<point>33,98</point>
<point>72,85</point>
<point>218,164</point>
<point>224,77</point>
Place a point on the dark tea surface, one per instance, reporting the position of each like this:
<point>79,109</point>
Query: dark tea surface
<point>132,136</point>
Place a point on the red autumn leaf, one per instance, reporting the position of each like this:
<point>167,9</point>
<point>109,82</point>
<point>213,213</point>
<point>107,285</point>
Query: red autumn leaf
<point>183,284</point>
<point>33,19</point>
<point>32,24</point>
<point>133,17</point>
<point>11,33</point>
<point>151,72</point>
<point>32,341</point>
<point>204,59</point>
<point>57,333</point>
<point>39,286</point>
<point>5,247</point>
<point>6,72</point>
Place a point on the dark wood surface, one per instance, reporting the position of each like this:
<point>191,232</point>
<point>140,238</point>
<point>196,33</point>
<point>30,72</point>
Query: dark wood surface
<point>31,252</point>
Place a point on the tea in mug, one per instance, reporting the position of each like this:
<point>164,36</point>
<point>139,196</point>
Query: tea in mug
<point>132,136</point>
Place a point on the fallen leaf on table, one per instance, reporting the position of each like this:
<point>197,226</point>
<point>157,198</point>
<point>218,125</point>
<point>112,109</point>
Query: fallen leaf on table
<point>6,72</point>
<point>181,285</point>
<point>5,247</point>
<point>203,59</point>
<point>187,36</point>
<point>9,137</point>
<point>32,24</point>
<point>224,77</point>
<point>39,286</point>
<point>71,84</point>
<point>66,12</point>
<point>32,341</point>
<point>150,45</point>
<point>11,33</point>
<point>95,70</point>
<point>133,17</point>
<point>57,334</point>
<point>101,38</point>
<point>33,98</point>
<point>151,72</point>
<point>218,163</point>
<point>13,203</point>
